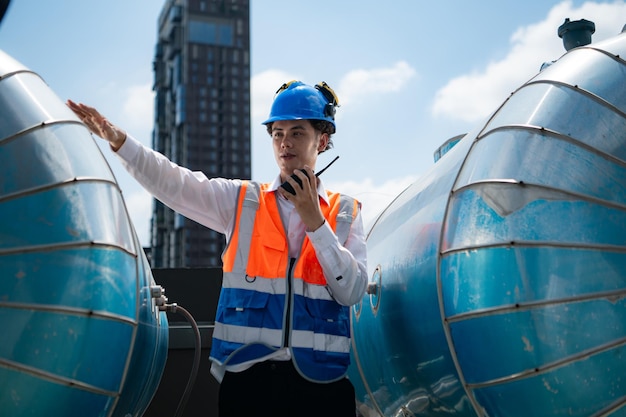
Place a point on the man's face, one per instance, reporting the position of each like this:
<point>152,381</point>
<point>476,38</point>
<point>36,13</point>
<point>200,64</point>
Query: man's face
<point>296,144</point>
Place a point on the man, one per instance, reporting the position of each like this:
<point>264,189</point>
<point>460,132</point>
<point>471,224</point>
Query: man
<point>293,264</point>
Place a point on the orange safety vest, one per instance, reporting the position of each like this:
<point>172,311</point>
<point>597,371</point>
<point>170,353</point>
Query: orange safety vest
<point>270,301</point>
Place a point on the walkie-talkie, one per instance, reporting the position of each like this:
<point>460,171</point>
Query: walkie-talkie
<point>288,186</point>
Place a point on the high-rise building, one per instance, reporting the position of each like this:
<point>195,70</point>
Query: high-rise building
<point>202,114</point>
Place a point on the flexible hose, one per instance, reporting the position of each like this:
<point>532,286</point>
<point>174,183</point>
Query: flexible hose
<point>196,359</point>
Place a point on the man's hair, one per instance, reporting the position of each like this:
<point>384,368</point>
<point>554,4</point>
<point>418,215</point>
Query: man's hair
<point>321,126</point>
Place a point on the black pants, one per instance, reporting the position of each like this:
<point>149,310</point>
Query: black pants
<point>275,389</point>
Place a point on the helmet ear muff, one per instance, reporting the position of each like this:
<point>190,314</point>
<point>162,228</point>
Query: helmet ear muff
<point>330,110</point>
<point>333,102</point>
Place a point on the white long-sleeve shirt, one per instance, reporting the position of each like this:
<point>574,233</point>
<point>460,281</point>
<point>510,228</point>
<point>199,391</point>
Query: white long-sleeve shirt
<point>213,203</point>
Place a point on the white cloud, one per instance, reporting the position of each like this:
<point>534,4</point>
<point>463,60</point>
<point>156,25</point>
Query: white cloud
<point>130,107</point>
<point>353,85</point>
<point>139,206</point>
<point>471,97</point>
<point>138,111</point>
<point>263,87</point>
<point>361,82</point>
<point>373,197</point>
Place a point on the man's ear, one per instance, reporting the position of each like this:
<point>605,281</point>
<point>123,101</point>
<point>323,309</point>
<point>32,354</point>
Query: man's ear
<point>321,147</point>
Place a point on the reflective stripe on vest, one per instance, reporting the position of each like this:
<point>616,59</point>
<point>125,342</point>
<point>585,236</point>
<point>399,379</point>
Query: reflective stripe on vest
<point>247,206</point>
<point>251,311</point>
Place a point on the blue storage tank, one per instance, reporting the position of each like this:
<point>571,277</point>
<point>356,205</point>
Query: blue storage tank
<point>81,334</point>
<point>499,277</point>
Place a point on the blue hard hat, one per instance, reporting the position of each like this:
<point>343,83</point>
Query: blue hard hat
<point>298,101</point>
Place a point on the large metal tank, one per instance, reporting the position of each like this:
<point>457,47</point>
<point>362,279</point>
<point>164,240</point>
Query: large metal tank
<point>81,334</point>
<point>499,277</point>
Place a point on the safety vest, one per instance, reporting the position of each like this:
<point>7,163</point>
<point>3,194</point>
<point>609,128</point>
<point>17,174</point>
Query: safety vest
<point>269,301</point>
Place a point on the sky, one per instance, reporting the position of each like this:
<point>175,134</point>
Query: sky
<point>409,74</point>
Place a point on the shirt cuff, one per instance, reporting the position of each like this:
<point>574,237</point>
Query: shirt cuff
<point>129,148</point>
<point>323,236</point>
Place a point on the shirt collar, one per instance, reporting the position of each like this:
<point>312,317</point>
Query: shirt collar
<point>321,191</point>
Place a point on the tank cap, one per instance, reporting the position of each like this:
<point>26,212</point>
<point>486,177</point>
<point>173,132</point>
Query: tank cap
<point>576,33</point>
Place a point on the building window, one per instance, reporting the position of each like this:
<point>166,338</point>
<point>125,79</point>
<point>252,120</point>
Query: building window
<point>211,33</point>
<point>180,104</point>
<point>226,35</point>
